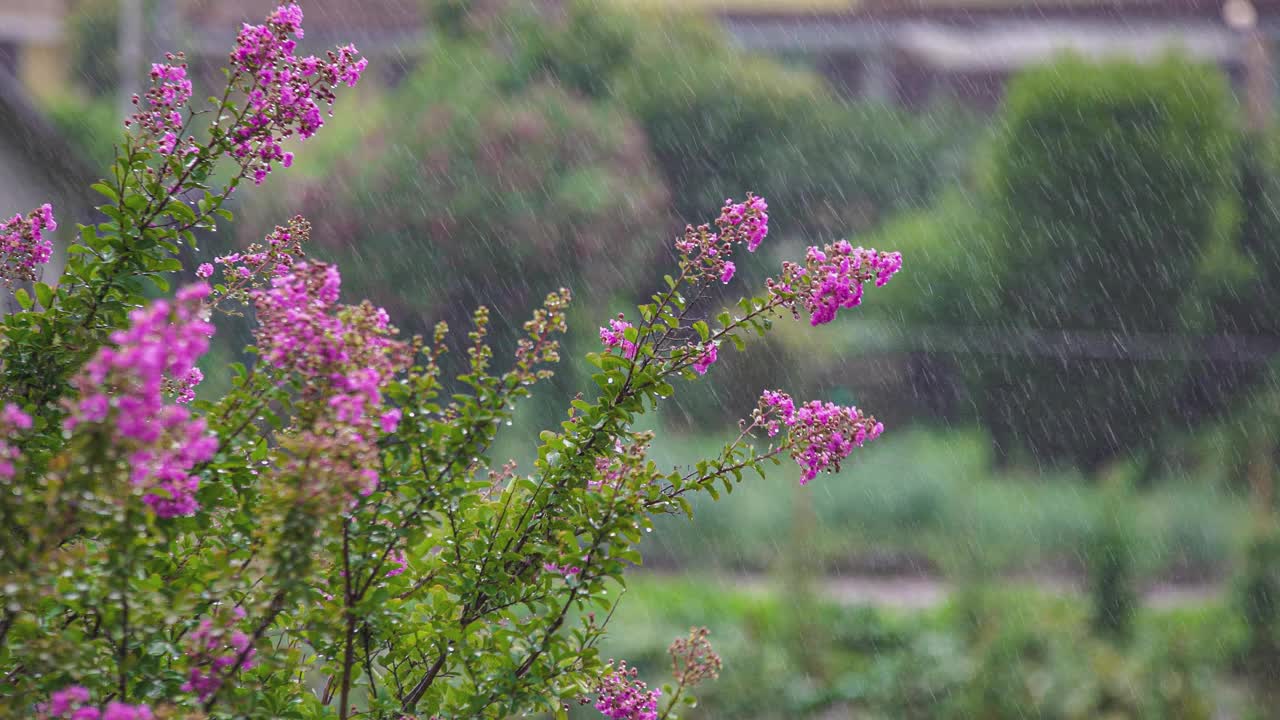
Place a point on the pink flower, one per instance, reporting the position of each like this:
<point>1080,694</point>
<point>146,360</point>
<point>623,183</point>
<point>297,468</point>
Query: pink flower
<point>23,245</point>
<point>205,270</point>
<point>345,355</point>
<point>622,697</point>
<point>615,336</point>
<point>727,273</point>
<point>215,650</point>
<point>73,704</point>
<point>832,278</point>
<point>749,218</point>
<point>821,434</point>
<point>400,563</point>
<point>704,253</point>
<point>125,382</point>
<point>705,359</point>
<point>284,91</point>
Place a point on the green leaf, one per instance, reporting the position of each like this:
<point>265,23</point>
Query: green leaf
<point>106,190</point>
<point>24,299</point>
<point>44,294</point>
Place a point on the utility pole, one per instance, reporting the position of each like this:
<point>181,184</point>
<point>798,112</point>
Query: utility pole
<point>130,52</point>
<point>1242,17</point>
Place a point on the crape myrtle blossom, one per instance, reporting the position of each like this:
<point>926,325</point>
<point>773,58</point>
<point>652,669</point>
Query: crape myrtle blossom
<point>566,570</point>
<point>705,251</point>
<point>215,649</point>
<point>621,696</point>
<point>819,434</point>
<point>122,390</point>
<point>284,92</point>
<point>706,356</point>
<point>749,219</point>
<point>831,278</point>
<point>342,356</point>
<point>615,336</point>
<point>282,96</point>
<point>159,120</point>
<point>257,265</point>
<point>72,703</point>
<point>12,421</point>
<point>23,245</point>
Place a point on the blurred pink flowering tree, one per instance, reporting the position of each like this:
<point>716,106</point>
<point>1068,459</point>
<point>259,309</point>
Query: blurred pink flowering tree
<point>331,539</point>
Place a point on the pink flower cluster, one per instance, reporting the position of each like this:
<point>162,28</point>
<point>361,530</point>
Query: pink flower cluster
<point>259,263</point>
<point>565,570</point>
<point>750,219</point>
<point>12,420</point>
<point>122,391</point>
<point>704,253</point>
<point>399,562</point>
<point>622,697</point>
<point>820,434</point>
<point>615,336</point>
<point>832,278</point>
<point>215,650</point>
<point>344,355</point>
<point>23,245</point>
<point>706,357</point>
<point>73,704</point>
<point>284,91</point>
<point>161,119</point>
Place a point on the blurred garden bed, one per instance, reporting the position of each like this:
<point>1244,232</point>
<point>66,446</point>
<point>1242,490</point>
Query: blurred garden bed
<point>923,502</point>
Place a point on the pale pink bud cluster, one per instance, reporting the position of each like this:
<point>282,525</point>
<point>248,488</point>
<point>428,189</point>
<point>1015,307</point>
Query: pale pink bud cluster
<point>122,392</point>
<point>615,335</point>
<point>344,355</point>
<point>284,91</point>
<point>622,697</point>
<point>692,658</point>
<point>832,278</point>
<point>820,434</point>
<point>23,245</point>
<point>12,421</point>
<point>215,650</point>
<point>705,252</point>
<point>72,703</point>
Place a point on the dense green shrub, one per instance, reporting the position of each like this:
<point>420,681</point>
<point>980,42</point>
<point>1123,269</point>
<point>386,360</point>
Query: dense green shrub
<point>1103,189</point>
<point>1028,659</point>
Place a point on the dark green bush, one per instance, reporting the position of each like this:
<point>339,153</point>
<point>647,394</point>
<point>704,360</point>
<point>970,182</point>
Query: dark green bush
<point>1103,191</point>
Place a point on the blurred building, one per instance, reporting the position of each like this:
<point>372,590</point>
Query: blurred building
<point>33,37</point>
<point>908,52</point>
<point>912,52</point>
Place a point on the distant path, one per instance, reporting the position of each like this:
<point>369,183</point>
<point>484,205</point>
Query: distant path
<point>918,593</point>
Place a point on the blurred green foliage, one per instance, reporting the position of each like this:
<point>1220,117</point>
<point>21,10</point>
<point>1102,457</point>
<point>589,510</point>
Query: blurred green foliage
<point>721,121</point>
<point>924,500</point>
<point>1030,658</point>
<point>465,195</point>
<point>1097,206</point>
